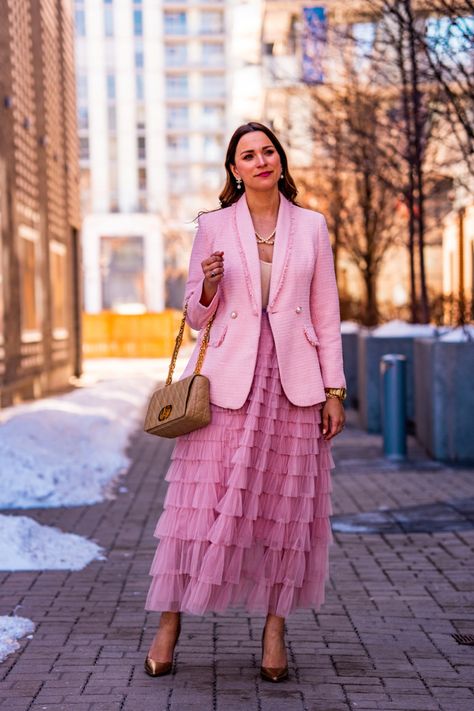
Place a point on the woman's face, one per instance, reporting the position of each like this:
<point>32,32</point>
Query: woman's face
<point>257,161</point>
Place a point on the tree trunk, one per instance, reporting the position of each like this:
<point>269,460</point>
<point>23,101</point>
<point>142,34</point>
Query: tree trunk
<point>410,190</point>
<point>418,160</point>
<point>371,310</point>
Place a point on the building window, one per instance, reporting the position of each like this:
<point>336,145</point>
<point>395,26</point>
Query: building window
<point>179,180</point>
<point>82,116</point>
<point>175,23</point>
<point>29,295</point>
<point>112,118</point>
<point>364,36</point>
<point>122,261</point>
<point>112,147</point>
<point>57,268</point>
<point>212,178</point>
<point>213,149</point>
<point>212,116</point>
<point>137,23</point>
<point>213,85</point>
<point>108,20</point>
<point>142,178</point>
<point>450,40</point>
<point>177,86</point>
<point>140,116</point>
<point>84,148</point>
<point>178,147</point>
<point>85,189</point>
<point>80,23</point>
<point>113,184</point>
<point>176,55</point>
<point>80,55</point>
<point>109,45</point>
<point>211,22</point>
<point>139,56</point>
<point>212,54</point>
<point>81,87</point>
<point>177,117</point>
<point>111,86</point>
<point>141,146</point>
<point>139,87</point>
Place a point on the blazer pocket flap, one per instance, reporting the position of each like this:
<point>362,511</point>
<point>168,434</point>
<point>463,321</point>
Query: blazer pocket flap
<point>216,335</point>
<point>310,334</point>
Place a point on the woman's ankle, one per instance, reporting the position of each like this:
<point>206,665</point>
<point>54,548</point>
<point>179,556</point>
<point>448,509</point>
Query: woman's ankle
<point>169,617</point>
<point>274,623</point>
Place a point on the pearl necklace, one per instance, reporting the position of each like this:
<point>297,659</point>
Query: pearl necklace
<point>266,240</point>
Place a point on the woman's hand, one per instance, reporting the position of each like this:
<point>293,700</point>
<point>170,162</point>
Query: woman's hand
<point>333,418</point>
<point>213,270</point>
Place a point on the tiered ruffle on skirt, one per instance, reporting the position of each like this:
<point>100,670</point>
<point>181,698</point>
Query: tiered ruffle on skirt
<point>246,513</point>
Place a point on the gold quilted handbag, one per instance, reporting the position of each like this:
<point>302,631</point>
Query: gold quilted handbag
<point>183,406</point>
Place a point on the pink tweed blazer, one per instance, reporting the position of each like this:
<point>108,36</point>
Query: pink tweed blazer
<point>303,304</point>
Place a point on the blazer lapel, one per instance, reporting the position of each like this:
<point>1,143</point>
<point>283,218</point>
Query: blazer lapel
<point>250,255</point>
<point>248,251</point>
<point>281,249</point>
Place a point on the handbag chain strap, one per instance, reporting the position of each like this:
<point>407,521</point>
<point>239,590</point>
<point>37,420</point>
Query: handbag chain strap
<point>178,341</point>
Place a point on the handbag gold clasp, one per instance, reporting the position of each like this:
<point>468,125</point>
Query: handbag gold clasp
<point>165,412</point>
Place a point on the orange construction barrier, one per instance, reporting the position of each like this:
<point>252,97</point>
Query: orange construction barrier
<point>149,335</point>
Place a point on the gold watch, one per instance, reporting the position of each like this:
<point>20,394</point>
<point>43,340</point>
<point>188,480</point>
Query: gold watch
<point>340,393</point>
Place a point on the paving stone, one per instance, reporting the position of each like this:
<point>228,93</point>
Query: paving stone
<point>382,641</point>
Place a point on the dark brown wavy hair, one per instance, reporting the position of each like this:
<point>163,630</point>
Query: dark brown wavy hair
<point>230,192</point>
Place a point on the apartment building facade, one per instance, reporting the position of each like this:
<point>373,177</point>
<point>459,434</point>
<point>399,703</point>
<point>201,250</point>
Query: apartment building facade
<point>40,265</point>
<point>300,62</point>
<point>154,87</point>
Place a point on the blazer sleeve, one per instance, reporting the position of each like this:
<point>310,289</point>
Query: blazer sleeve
<point>325,313</point>
<point>198,315</point>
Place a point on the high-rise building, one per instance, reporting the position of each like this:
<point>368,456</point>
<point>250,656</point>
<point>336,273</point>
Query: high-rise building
<point>154,80</point>
<point>40,299</point>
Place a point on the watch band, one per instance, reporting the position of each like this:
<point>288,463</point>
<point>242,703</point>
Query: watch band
<point>340,393</point>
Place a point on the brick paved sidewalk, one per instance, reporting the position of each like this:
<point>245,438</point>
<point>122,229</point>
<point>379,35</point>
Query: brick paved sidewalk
<point>383,640</point>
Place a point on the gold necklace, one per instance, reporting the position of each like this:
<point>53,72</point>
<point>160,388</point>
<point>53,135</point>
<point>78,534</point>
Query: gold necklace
<point>266,240</point>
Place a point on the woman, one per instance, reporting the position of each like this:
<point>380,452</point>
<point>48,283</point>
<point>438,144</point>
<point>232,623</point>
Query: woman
<point>246,512</point>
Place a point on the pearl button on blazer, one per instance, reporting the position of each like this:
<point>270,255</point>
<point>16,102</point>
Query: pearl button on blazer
<point>303,304</point>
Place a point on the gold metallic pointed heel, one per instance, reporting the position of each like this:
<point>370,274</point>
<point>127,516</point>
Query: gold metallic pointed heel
<point>154,668</point>
<point>274,674</point>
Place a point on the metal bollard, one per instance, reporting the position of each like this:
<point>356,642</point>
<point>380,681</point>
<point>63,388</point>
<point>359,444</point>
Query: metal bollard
<point>393,405</point>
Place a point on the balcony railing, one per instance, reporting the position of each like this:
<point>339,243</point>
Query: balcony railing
<point>219,3</point>
<point>202,31</point>
<point>176,30</point>
<point>203,126</point>
<point>212,62</point>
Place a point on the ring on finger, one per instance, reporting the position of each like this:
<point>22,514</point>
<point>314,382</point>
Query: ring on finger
<point>213,274</point>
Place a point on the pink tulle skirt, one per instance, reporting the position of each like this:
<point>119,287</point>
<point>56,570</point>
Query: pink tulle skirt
<point>246,513</point>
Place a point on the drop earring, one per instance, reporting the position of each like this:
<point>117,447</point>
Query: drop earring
<point>281,176</point>
<point>239,183</point>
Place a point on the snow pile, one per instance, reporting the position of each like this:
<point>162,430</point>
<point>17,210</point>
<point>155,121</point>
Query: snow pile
<point>26,545</point>
<point>68,450</point>
<point>11,629</point>
<point>96,369</point>
<point>404,329</point>
<point>462,334</point>
<point>349,327</point>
